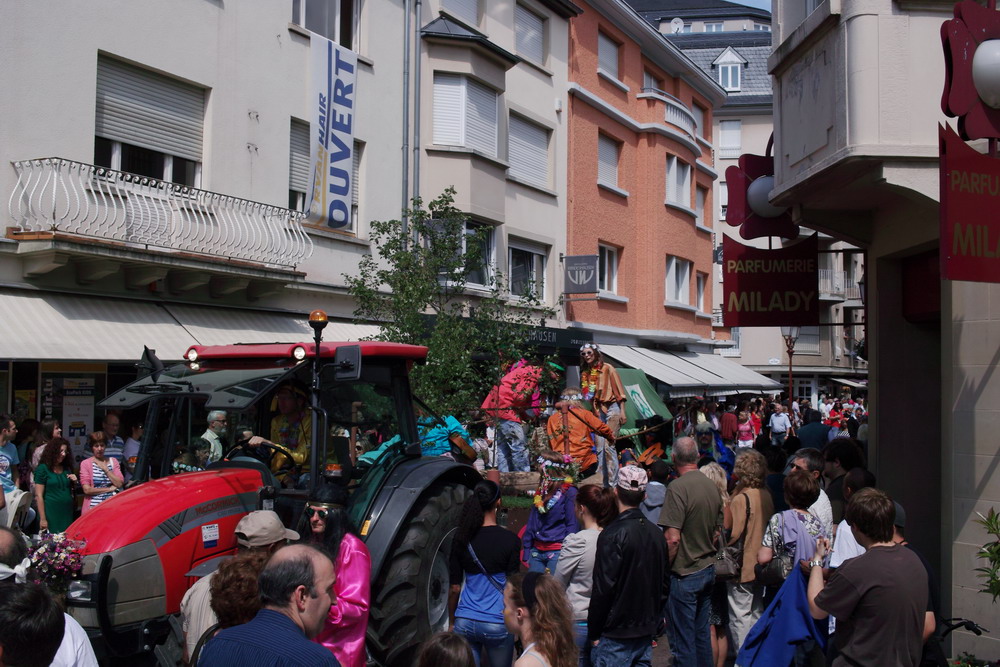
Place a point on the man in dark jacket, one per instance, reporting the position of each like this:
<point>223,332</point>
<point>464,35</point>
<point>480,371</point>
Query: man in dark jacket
<point>630,577</point>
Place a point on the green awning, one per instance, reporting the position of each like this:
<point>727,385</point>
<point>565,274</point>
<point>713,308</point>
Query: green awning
<point>643,401</point>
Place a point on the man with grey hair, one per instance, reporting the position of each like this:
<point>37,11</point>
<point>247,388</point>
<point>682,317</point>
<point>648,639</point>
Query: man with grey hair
<point>692,512</point>
<point>213,436</point>
<point>296,587</point>
<point>811,461</point>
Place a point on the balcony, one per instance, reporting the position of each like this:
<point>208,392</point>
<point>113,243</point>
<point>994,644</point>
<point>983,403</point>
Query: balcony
<point>832,284</point>
<point>54,196</point>
<point>676,114</point>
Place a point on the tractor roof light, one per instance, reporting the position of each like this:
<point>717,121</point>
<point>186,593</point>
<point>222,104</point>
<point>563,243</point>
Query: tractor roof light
<point>299,353</point>
<point>192,355</point>
<point>318,320</point>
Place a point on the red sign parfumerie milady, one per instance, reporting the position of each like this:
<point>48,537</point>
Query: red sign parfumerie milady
<point>768,288</point>
<point>970,228</point>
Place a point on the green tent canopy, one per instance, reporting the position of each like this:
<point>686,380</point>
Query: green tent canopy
<point>643,401</point>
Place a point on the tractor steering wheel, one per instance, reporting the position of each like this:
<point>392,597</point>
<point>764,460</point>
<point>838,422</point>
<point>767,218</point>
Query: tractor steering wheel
<point>245,450</point>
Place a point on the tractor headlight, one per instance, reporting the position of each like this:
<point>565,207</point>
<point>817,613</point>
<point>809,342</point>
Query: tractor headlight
<point>80,590</point>
<point>299,353</point>
<point>192,354</point>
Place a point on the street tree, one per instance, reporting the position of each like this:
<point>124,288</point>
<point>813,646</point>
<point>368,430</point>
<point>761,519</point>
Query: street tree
<point>431,282</point>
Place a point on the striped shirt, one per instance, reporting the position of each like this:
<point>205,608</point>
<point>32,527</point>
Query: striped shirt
<point>271,639</point>
<point>101,481</point>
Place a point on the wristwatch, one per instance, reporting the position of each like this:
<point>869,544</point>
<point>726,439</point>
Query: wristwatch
<point>815,563</point>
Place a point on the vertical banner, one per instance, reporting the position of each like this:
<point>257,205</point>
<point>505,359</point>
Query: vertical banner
<point>770,288</point>
<point>331,102</point>
<point>970,190</point>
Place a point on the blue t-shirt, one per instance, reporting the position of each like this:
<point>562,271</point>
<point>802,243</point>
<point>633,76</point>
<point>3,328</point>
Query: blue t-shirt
<point>8,460</point>
<point>498,550</point>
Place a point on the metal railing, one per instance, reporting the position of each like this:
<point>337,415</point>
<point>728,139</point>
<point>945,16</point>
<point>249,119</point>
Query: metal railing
<point>832,281</point>
<point>58,195</point>
<point>716,317</point>
<point>676,114</point>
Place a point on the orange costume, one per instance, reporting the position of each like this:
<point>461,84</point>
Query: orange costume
<point>572,432</point>
<point>602,386</point>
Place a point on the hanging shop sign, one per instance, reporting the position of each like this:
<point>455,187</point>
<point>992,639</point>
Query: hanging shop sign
<point>970,190</point>
<point>581,274</point>
<point>747,186</point>
<point>332,98</point>
<point>769,288</point>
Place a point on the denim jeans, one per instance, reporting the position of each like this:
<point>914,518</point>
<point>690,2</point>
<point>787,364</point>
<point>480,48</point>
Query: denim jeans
<point>491,638</point>
<point>623,652</point>
<point>582,645</point>
<point>543,561</point>
<point>512,448</point>
<point>688,605</point>
<point>778,439</point>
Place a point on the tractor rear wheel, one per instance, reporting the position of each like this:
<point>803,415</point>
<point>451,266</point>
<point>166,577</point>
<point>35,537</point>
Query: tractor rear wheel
<point>411,594</point>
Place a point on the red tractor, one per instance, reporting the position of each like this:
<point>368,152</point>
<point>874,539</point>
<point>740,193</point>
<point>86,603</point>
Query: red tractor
<point>148,544</point>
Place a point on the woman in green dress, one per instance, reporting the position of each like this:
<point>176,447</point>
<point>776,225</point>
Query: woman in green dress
<point>53,483</point>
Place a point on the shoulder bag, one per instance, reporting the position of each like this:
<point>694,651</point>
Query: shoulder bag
<point>729,558</point>
<point>496,584</point>
<point>776,570</point>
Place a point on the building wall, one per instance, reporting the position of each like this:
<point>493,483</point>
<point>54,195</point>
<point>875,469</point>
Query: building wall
<point>634,217</point>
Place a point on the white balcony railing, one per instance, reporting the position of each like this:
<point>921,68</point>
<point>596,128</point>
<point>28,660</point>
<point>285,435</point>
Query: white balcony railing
<point>832,281</point>
<point>676,114</point>
<point>57,195</point>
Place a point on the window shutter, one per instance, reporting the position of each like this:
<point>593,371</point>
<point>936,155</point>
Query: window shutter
<point>607,160</point>
<point>528,151</point>
<point>684,183</point>
<point>466,10</point>
<point>730,131</point>
<point>699,205</point>
<point>699,120</point>
<point>299,156</point>
<point>449,109</point>
<point>481,116</point>
<point>529,34</point>
<point>359,146</point>
<point>607,54</point>
<point>671,179</point>
<point>145,109</point>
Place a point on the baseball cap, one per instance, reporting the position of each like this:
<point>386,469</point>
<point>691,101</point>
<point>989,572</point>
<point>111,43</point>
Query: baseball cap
<point>632,478</point>
<point>261,528</point>
<point>900,515</point>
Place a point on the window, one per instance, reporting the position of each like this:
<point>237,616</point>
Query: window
<point>607,55</point>
<point>148,124</point>
<point>808,341</point>
<point>700,281</point>
<point>678,182</point>
<point>730,138</point>
<point>699,120</point>
<point>761,27</point>
<point>479,262</point>
<point>699,206</point>
<point>466,10</point>
<point>607,269</point>
<point>650,82</point>
<point>678,280</point>
<point>336,20</point>
<point>465,113</point>
<point>729,77</point>
<point>686,28</point>
<point>299,164</point>
<point>723,199</point>
<point>607,160</point>
<point>526,265</point>
<point>359,149</point>
<point>529,35</point>
<point>713,27</point>
<point>528,151</point>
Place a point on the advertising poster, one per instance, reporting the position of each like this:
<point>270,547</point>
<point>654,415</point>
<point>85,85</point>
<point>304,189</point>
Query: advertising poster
<point>71,401</point>
<point>24,404</point>
<point>769,288</point>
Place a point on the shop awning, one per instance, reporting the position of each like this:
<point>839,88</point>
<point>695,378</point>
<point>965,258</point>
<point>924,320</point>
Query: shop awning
<point>50,326</point>
<point>850,383</point>
<point>643,402</point>
<point>692,373</point>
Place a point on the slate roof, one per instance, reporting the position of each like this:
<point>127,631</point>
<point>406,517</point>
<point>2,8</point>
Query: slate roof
<point>755,86</point>
<point>444,28</point>
<point>655,11</point>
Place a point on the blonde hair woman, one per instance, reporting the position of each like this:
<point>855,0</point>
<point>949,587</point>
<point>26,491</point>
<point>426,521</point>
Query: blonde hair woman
<point>751,509</point>
<point>718,614</point>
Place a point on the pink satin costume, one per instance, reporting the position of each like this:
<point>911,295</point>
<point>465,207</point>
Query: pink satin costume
<point>344,631</point>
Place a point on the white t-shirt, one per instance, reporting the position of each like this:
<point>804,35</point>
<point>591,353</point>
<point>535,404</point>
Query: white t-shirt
<point>75,649</point>
<point>845,547</point>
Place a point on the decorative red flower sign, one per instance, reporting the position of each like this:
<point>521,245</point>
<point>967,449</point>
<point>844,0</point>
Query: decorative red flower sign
<point>749,209</point>
<point>972,70</point>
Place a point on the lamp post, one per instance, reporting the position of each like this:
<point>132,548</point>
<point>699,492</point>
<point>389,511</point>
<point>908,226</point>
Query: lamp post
<point>790,334</point>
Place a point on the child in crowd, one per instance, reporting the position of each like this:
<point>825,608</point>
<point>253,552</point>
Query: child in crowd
<point>553,516</point>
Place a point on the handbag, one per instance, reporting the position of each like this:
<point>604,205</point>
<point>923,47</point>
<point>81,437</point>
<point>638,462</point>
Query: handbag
<point>775,571</point>
<point>729,558</point>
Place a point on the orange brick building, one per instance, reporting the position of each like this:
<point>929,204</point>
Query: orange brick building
<point>640,179</point>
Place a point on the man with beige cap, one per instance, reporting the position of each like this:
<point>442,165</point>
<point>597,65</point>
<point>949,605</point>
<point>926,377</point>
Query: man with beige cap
<point>261,530</point>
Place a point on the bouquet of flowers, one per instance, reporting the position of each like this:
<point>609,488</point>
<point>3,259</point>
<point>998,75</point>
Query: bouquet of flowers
<point>55,561</point>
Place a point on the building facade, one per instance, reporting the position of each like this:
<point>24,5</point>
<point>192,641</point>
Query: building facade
<point>857,93</point>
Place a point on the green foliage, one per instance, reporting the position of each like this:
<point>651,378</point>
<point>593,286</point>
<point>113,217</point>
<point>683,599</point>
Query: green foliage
<point>416,287</point>
<point>990,552</point>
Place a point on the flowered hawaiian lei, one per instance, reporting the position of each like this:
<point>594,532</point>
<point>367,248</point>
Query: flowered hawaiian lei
<point>552,474</point>
<point>588,380</point>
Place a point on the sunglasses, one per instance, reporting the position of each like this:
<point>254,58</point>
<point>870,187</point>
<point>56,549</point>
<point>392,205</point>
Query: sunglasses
<point>321,513</point>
